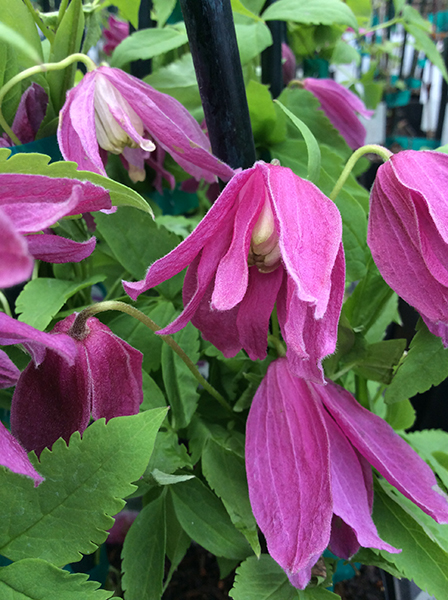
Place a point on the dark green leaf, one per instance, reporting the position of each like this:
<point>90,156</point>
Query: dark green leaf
<point>261,579</point>
<point>379,360</point>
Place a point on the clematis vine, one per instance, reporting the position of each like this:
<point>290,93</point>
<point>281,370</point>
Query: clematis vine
<point>308,454</point>
<point>271,237</point>
<point>111,111</point>
<point>32,203</point>
<point>80,370</point>
<point>342,108</point>
<point>408,232</point>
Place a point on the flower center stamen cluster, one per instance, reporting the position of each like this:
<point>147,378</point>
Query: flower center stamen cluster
<point>264,250</point>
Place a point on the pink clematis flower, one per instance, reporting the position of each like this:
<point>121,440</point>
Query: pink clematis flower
<point>56,394</point>
<point>29,116</point>
<point>115,33</point>
<point>32,203</point>
<point>308,449</point>
<point>341,107</point>
<point>269,237</point>
<point>408,232</point>
<point>289,65</point>
<point>111,111</point>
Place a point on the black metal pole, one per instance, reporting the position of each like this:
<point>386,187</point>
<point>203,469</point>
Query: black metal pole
<point>214,48</point>
<point>271,58</point>
<point>140,68</point>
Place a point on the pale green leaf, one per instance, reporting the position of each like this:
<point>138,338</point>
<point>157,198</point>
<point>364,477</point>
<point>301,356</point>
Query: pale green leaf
<point>325,12</point>
<point>148,43</point>
<point>128,9</point>
<point>41,299</point>
<point>19,43</point>
<point>261,579</point>
<point>16,16</point>
<point>239,8</point>
<point>253,37</point>
<point>32,579</point>
<point>70,512</point>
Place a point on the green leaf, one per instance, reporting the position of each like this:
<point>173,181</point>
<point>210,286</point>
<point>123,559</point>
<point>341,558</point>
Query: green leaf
<point>261,579</point>
<point>432,445</point>
<point>148,43</point>
<point>423,42</point>
<point>180,384</point>
<point>128,9</point>
<point>32,578</point>
<point>325,12</point>
<point>345,54</point>
<point>252,36</point>
<point>226,474</point>
<point>17,17</point>
<point>37,164</point>
<point>368,556</point>
<point>162,10</point>
<point>206,521</point>
<point>41,299</point>
<point>144,553</point>
<point>398,5</point>
<point>317,593</point>
<point>152,395</point>
<point>379,360</point>
<point>93,30</point>
<point>177,541</point>
<point>70,512</point>
<point>261,110</point>
<point>136,242</point>
<point>425,365</point>
<point>239,8</point>
<point>422,559</point>
<point>19,43</point>
<point>400,415</point>
<point>67,41</point>
<point>311,145</point>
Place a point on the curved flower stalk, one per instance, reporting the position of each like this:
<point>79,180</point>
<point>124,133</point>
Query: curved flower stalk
<point>32,203</point>
<point>408,232</point>
<point>111,111</point>
<point>308,449</point>
<point>269,237</point>
<point>76,371</point>
<point>341,107</point>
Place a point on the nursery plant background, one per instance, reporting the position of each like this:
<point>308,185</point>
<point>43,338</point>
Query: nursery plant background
<point>283,312</point>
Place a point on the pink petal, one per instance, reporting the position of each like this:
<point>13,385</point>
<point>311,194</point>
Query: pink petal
<point>288,471</point>
<point>14,457</point>
<point>57,249</point>
<point>30,113</point>
<point>9,373</point>
<point>386,451</point>
<point>16,263</point>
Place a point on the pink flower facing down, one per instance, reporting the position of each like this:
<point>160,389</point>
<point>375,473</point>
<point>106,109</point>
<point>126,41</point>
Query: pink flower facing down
<point>32,203</point>
<point>408,232</point>
<point>308,449</point>
<point>269,237</point>
<point>289,65</point>
<point>111,111</point>
<point>341,107</point>
<point>29,116</point>
<point>55,397</point>
<point>115,33</point>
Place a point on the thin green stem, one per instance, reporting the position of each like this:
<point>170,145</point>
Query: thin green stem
<point>33,71</point>
<point>47,32</point>
<point>78,325</point>
<point>5,304</point>
<point>368,149</point>
<point>62,9</point>
<point>384,25</point>
<point>278,345</point>
<point>274,321</point>
<point>343,371</point>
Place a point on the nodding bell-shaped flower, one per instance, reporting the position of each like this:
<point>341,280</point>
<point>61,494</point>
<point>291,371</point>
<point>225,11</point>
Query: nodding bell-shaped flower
<point>115,32</point>
<point>111,111</point>
<point>85,371</point>
<point>270,237</point>
<point>342,108</point>
<point>408,232</point>
<point>308,454</point>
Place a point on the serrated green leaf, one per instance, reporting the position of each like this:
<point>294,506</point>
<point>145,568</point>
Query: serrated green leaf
<point>432,445</point>
<point>15,15</point>
<point>41,299</point>
<point>137,241</point>
<point>206,521</point>
<point>425,365</point>
<point>69,513</point>
<point>19,43</point>
<point>67,41</point>
<point>32,578</point>
<point>422,559</point>
<point>261,579</point>
<point>325,12</point>
<point>148,43</point>
<point>180,384</point>
<point>311,145</point>
<point>226,474</point>
<point>37,164</point>
<point>144,553</point>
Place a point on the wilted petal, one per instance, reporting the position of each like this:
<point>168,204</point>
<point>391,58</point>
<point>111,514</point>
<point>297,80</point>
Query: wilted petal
<point>16,263</point>
<point>386,451</point>
<point>9,373</point>
<point>14,457</point>
<point>57,249</point>
<point>288,470</point>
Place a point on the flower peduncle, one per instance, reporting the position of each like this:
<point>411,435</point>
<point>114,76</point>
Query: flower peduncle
<point>78,57</point>
<point>384,153</point>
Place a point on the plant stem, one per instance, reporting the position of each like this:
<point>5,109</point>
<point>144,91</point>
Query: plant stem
<point>47,32</point>
<point>82,317</point>
<point>33,71</point>
<point>369,149</point>
<point>278,345</point>
<point>5,304</point>
<point>62,9</point>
